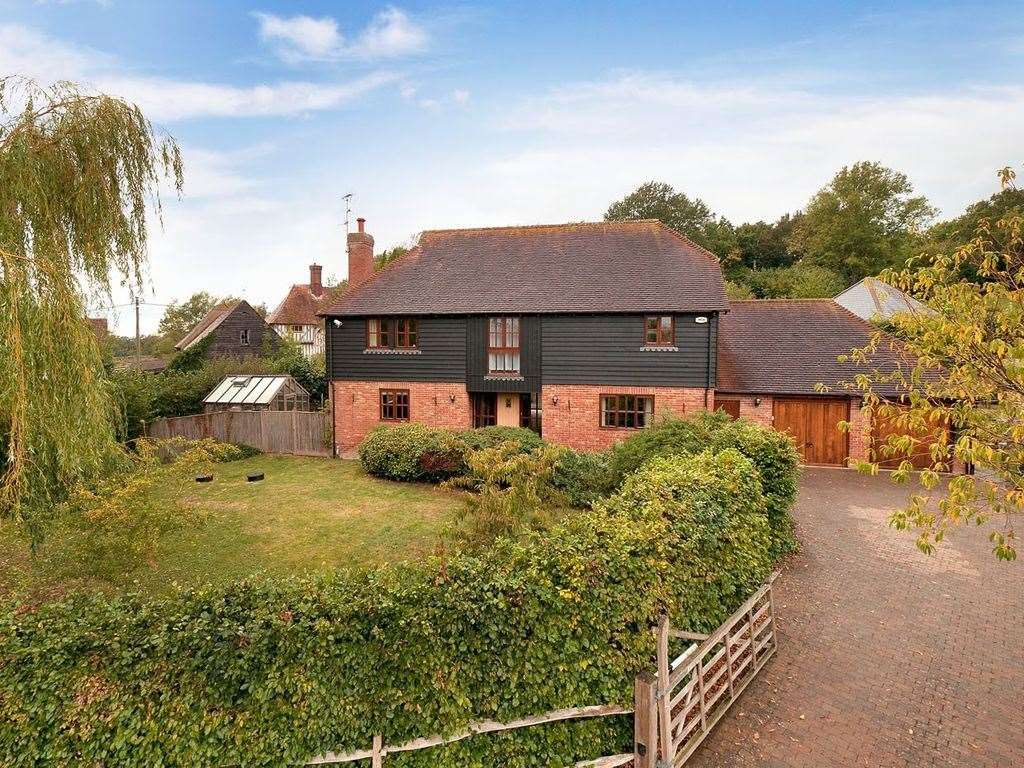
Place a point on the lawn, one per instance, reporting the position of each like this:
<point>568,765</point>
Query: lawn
<point>309,514</point>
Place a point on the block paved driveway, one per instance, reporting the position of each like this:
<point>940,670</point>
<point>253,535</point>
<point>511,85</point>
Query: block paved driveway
<point>887,657</point>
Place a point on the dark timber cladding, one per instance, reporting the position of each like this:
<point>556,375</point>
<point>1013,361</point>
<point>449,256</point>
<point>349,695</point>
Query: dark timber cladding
<point>609,349</point>
<point>441,353</point>
<point>530,352</point>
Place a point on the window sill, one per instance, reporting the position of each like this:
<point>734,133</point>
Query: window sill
<point>504,377</point>
<point>658,348</point>
<point>385,351</point>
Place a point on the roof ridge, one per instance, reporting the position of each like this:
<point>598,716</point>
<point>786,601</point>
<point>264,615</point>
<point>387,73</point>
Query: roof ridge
<point>561,225</point>
<point>781,300</point>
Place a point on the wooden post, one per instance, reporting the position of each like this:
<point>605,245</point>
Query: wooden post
<point>645,722</point>
<point>376,759</point>
<point>664,695</point>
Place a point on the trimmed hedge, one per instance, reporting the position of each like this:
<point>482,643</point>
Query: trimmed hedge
<point>772,453</point>
<point>274,672</point>
<point>584,478</point>
<point>413,452</point>
<point>489,437</point>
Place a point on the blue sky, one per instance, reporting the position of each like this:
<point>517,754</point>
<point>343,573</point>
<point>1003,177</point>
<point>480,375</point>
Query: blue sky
<point>474,114</point>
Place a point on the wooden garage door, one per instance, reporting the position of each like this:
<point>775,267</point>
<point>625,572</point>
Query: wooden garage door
<point>881,428</point>
<point>814,424</point>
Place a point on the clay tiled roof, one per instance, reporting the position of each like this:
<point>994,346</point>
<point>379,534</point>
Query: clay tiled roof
<point>787,346</point>
<point>299,307</point>
<point>628,266</point>
<point>207,325</point>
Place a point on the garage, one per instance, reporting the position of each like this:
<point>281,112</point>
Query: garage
<point>814,425</point>
<point>921,457</point>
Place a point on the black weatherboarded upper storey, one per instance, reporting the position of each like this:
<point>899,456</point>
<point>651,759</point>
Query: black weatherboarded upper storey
<point>628,266</point>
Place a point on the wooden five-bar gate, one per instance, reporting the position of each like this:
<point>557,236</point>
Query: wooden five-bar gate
<point>675,707</point>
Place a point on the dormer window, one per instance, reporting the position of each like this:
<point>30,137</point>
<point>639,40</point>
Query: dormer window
<point>659,331</point>
<point>503,345</point>
<point>392,333</point>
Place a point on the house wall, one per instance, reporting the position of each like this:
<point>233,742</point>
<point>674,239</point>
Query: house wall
<point>609,349</point>
<point>310,338</point>
<point>356,407</point>
<point>226,336</point>
<point>530,355</point>
<point>575,420</point>
<point>441,356</point>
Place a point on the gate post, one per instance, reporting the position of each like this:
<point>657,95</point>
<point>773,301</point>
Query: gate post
<point>645,722</point>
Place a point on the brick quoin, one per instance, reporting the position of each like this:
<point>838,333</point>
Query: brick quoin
<point>357,407</point>
<point>575,420</point>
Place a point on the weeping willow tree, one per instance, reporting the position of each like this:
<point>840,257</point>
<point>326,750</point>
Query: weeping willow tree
<point>78,174</point>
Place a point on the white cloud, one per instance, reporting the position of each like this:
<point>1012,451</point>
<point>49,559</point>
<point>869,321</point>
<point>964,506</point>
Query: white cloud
<point>26,52</point>
<point>302,35</point>
<point>751,150</point>
<point>391,33</point>
<point>460,96</point>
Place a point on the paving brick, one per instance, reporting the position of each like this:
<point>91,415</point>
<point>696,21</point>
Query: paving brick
<point>895,658</point>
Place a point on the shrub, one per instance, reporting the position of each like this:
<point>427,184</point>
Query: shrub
<point>412,452</point>
<point>583,478</point>
<point>512,490</point>
<point>272,672</point>
<point>772,453</point>
<point>718,542</point>
<point>488,437</point>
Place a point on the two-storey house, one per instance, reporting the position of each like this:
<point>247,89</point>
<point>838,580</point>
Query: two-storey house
<point>296,316</point>
<point>583,332</point>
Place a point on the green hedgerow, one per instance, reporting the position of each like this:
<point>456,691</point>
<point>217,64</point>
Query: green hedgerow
<point>412,452</point>
<point>272,672</point>
<point>488,437</point>
<point>772,453</point>
<point>584,478</point>
<point>719,542</point>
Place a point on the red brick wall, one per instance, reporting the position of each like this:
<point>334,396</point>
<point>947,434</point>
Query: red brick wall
<point>760,413</point>
<point>575,420</point>
<point>357,407</point>
<point>860,432</point>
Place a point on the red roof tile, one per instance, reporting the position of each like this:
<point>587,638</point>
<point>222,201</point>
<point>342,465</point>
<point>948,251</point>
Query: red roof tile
<point>299,307</point>
<point>627,266</point>
<point>788,346</point>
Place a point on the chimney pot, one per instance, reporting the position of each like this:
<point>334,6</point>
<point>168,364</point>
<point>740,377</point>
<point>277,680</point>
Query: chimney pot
<point>316,286</point>
<point>360,255</point>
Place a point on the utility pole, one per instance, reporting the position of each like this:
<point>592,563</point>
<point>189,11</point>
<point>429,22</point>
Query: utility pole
<point>138,339</point>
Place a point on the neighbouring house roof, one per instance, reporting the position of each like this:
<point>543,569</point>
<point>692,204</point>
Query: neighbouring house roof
<point>251,390</point>
<point>788,346</point>
<point>870,298</point>
<point>627,266</point>
<point>207,325</point>
<point>300,307</point>
<point>149,364</point>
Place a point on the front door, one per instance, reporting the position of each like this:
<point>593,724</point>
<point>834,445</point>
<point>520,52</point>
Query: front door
<point>814,425</point>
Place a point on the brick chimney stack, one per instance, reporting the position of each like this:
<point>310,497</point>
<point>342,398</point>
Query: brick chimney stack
<point>360,255</point>
<point>316,286</point>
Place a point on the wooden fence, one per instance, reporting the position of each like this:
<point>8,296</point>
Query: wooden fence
<point>305,433</point>
<point>677,707</point>
<point>670,719</point>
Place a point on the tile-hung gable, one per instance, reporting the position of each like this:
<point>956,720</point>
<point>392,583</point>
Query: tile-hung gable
<point>605,267</point>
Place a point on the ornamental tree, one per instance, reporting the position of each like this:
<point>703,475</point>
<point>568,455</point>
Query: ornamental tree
<point>78,174</point>
<point>961,366</point>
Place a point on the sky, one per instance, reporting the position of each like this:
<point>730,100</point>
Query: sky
<point>437,115</point>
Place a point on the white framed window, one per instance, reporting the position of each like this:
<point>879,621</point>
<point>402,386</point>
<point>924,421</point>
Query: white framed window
<point>503,345</point>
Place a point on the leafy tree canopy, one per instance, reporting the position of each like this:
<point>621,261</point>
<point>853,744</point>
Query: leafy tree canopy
<point>763,245</point>
<point>386,257</point>
<point>865,220</point>
<point>798,281</point>
<point>78,174</point>
<point>963,366</point>
<point>691,217</point>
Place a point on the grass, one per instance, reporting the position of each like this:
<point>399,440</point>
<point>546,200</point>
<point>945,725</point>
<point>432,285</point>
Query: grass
<point>309,514</point>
